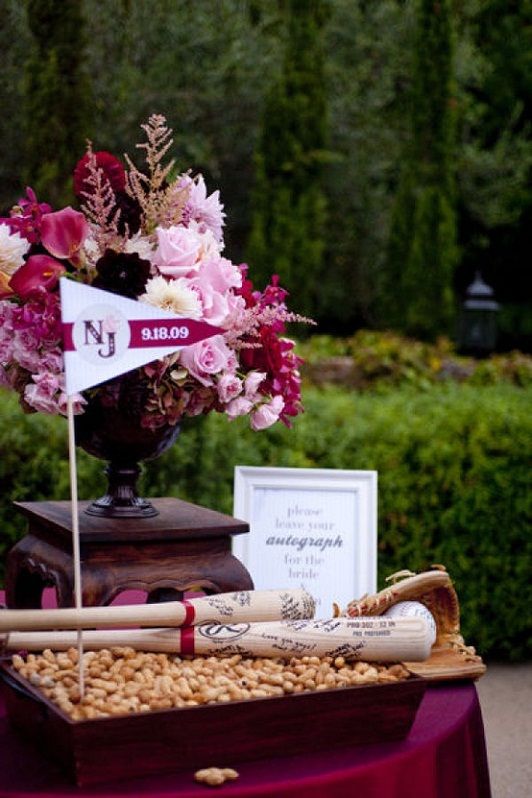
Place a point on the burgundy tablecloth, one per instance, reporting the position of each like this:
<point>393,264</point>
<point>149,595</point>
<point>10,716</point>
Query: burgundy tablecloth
<point>443,757</point>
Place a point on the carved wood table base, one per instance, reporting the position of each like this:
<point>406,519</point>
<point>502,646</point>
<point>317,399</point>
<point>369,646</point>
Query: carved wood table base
<point>184,547</point>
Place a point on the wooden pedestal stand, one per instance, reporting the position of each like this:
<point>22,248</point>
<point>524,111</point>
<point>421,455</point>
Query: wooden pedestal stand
<point>183,547</point>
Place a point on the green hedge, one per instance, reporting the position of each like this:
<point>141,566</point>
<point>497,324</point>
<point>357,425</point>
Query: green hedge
<point>454,465</point>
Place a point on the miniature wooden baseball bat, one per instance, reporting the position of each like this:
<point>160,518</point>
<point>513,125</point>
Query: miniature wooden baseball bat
<point>244,605</point>
<point>371,639</point>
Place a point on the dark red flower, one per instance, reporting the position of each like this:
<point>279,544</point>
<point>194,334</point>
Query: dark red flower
<point>277,359</point>
<point>130,213</point>
<point>112,170</point>
<point>246,290</point>
<point>124,273</point>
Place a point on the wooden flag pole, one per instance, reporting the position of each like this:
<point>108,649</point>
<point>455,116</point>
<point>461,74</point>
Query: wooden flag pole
<point>75,533</point>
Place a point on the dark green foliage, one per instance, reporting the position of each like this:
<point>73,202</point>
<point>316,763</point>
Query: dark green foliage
<point>57,98</point>
<point>427,280</point>
<point>418,281</point>
<point>287,226</point>
<point>454,464</point>
<point>376,361</point>
<point>496,117</point>
<point>33,464</point>
<point>13,47</point>
<point>207,66</point>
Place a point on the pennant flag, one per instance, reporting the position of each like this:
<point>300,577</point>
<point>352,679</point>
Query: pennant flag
<point>105,335</point>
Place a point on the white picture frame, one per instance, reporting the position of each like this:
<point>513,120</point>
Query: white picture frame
<point>311,528</point>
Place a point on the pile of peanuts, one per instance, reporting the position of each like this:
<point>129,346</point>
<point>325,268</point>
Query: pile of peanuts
<point>122,680</point>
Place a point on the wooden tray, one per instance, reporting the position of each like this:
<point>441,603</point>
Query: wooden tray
<point>141,744</point>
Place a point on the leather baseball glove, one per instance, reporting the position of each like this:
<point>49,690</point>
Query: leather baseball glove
<point>450,657</point>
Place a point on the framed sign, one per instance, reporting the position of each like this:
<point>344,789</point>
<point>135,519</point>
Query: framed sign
<point>311,528</point>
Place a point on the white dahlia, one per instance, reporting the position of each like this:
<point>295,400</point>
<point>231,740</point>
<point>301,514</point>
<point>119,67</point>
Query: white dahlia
<point>172,295</point>
<point>12,250</point>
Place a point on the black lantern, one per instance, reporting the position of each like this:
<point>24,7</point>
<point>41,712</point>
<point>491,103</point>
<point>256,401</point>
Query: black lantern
<point>477,324</point>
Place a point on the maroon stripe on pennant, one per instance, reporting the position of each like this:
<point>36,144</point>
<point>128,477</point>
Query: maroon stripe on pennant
<point>156,333</point>
<point>160,332</point>
<point>68,341</point>
<point>169,332</point>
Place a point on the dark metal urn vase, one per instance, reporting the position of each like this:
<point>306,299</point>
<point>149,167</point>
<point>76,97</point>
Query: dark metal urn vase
<point>110,429</point>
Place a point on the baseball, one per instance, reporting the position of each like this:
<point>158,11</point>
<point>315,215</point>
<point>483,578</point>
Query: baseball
<point>413,609</point>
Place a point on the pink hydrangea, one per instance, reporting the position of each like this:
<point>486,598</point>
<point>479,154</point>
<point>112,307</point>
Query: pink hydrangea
<point>42,393</point>
<point>42,316</point>
<point>7,310</point>
<point>200,400</point>
<point>26,350</point>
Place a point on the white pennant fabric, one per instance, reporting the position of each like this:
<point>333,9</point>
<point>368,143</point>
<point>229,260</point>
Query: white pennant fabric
<point>105,335</point>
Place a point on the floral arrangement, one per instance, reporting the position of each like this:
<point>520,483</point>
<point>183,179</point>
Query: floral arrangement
<point>157,240</point>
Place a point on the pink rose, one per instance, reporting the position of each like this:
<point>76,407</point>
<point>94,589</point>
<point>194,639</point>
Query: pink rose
<point>210,356</point>
<point>228,387</point>
<point>220,309</point>
<point>220,273</point>
<point>215,283</point>
<point>177,251</point>
<point>267,415</point>
<point>214,305</point>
